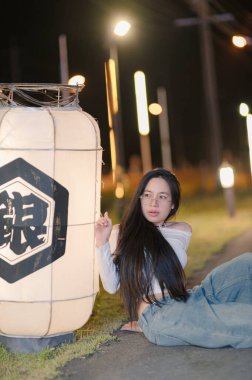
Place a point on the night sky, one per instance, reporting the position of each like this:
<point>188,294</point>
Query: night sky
<point>170,56</point>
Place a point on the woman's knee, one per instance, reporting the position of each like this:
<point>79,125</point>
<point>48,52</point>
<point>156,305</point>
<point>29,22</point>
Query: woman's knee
<point>245,259</point>
<point>228,274</point>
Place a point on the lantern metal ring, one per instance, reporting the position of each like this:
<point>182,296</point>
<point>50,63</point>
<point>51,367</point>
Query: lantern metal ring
<point>39,94</point>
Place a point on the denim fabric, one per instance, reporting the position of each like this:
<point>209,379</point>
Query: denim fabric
<point>218,312</point>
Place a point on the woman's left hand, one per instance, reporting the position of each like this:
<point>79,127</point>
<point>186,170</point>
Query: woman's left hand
<point>103,228</point>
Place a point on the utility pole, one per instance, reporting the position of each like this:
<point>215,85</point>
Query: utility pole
<point>164,129</point>
<point>14,62</point>
<point>63,55</point>
<point>204,21</point>
<point>64,74</point>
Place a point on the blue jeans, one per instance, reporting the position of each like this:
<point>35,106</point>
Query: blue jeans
<point>218,312</point>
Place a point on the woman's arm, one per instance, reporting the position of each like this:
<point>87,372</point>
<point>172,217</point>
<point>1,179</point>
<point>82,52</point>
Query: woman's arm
<point>107,269</point>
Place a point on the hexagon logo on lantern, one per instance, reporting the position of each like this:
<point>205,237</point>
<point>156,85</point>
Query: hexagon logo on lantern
<point>33,220</point>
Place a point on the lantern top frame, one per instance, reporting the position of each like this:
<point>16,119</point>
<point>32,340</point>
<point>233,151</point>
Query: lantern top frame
<point>39,94</point>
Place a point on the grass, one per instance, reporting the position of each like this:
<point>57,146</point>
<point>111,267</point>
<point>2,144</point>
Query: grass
<point>212,229</point>
<point>107,316</point>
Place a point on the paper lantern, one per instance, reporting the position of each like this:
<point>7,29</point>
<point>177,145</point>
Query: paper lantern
<point>50,170</point>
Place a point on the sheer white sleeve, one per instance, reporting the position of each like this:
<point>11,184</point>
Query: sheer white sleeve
<point>107,269</point>
<point>179,241</point>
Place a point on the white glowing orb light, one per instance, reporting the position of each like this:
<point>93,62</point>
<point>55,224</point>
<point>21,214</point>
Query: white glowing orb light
<point>226,174</point>
<point>155,109</point>
<point>239,41</point>
<point>244,109</point>
<point>249,131</point>
<point>76,80</point>
<point>122,28</point>
<point>141,102</point>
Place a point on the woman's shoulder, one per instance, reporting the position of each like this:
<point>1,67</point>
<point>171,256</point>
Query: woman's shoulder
<point>180,226</point>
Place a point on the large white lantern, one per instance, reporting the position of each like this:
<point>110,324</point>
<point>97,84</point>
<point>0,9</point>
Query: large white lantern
<point>50,172</point>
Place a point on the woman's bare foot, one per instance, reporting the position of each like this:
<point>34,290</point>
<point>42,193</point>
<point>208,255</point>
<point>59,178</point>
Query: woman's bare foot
<point>131,326</point>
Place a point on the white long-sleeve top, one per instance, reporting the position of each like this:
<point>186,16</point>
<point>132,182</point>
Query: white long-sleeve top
<point>178,239</point>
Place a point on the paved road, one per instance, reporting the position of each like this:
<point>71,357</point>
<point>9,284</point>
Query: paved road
<point>132,357</point>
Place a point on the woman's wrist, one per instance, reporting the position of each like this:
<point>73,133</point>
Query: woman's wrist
<point>101,243</point>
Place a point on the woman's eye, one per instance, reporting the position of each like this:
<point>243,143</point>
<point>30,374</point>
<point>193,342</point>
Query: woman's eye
<point>163,197</point>
<point>146,195</point>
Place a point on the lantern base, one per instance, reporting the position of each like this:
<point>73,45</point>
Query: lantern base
<point>27,345</point>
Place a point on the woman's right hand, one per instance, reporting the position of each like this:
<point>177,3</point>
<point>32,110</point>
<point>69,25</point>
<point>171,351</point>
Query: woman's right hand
<point>103,228</point>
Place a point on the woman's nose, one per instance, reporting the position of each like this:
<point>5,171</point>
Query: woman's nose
<point>154,201</point>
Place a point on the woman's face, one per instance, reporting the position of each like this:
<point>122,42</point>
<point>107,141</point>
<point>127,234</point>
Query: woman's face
<point>156,201</point>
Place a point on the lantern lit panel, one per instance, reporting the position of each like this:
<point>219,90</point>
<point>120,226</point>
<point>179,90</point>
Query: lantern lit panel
<point>84,194</point>
<point>70,147</point>
<point>58,150</point>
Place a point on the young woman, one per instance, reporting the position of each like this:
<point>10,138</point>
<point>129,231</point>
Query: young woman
<point>145,257</point>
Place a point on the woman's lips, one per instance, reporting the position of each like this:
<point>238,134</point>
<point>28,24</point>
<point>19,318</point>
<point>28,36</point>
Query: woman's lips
<point>153,213</point>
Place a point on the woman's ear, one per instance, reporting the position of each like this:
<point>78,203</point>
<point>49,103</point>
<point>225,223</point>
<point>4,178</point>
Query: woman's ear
<point>173,210</point>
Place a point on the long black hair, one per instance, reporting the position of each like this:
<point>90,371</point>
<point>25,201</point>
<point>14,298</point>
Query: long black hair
<point>142,252</point>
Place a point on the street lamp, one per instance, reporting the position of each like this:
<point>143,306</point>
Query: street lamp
<point>160,110</point>
<point>243,109</point>
<point>226,174</point>
<point>249,131</point>
<point>143,119</point>
<point>114,102</point>
<point>121,28</point>
<point>76,80</point>
<point>64,72</point>
<point>241,41</point>
<point>155,109</point>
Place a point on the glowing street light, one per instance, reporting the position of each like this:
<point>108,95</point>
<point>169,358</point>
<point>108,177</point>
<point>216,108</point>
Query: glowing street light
<point>155,109</point>
<point>122,28</point>
<point>119,191</point>
<point>143,119</point>
<point>239,41</point>
<point>249,131</point>
<point>226,175</point>
<point>243,109</point>
<point>76,80</point>
<point>141,101</point>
